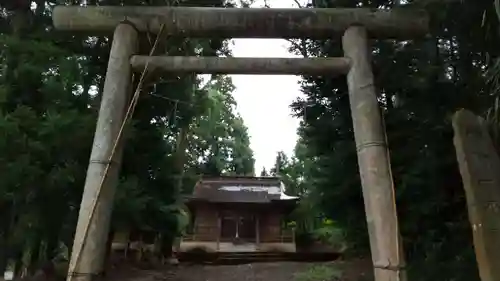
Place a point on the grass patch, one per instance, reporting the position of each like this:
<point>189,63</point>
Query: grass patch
<point>319,273</point>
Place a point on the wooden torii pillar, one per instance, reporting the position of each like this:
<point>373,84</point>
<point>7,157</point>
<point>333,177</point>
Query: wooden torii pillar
<point>356,24</point>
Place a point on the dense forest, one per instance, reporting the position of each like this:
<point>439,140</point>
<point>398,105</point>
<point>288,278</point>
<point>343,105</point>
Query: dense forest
<point>50,86</point>
<point>185,127</point>
<point>421,84</point>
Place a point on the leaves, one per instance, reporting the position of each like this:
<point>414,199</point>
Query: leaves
<point>421,83</point>
<point>219,136</point>
<point>50,87</point>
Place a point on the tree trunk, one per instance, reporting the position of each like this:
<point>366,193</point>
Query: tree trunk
<point>228,65</point>
<point>180,159</point>
<point>3,254</point>
<point>34,255</point>
<point>5,229</point>
<point>166,242</point>
<point>246,23</point>
<point>18,261</point>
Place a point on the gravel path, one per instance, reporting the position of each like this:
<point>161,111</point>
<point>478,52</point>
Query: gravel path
<point>276,271</point>
<point>272,271</point>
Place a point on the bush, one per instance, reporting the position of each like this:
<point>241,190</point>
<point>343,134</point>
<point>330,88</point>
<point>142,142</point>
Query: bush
<point>328,234</point>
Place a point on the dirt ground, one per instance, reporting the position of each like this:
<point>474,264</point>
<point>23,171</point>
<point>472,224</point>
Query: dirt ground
<point>272,271</point>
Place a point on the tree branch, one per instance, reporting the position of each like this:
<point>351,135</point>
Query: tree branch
<point>298,3</point>
<point>302,47</point>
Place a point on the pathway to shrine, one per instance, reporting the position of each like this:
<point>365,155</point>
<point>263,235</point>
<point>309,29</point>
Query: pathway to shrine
<point>276,271</point>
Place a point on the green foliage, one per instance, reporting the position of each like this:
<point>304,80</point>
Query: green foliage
<point>422,83</point>
<point>219,138</point>
<point>319,273</point>
<point>50,87</point>
<point>330,234</point>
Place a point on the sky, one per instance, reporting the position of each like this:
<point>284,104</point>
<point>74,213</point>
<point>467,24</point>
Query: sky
<point>264,101</point>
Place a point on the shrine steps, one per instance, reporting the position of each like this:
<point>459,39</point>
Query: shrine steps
<point>254,257</point>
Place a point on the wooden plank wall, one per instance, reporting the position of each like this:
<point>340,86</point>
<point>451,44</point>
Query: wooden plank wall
<point>270,227</point>
<point>206,223</point>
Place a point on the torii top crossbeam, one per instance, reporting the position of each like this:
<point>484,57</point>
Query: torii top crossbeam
<point>401,23</point>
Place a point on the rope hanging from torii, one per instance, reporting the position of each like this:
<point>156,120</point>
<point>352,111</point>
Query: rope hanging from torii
<point>128,117</point>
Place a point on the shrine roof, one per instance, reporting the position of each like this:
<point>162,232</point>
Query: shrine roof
<point>240,189</point>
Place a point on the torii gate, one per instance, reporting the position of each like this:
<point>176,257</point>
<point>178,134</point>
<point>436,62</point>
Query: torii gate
<point>356,24</point>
